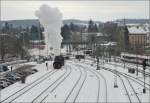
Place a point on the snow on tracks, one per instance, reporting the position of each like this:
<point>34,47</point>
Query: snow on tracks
<point>27,88</point>
<point>92,95</point>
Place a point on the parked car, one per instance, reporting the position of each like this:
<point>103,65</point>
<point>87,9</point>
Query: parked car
<point>6,80</point>
<point>9,82</point>
<point>3,84</point>
<point>31,71</point>
<point>21,72</point>
<point>3,68</point>
<point>35,70</point>
<point>12,76</point>
<point>18,74</point>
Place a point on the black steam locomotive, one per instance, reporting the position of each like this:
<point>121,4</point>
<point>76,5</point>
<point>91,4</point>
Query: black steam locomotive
<point>58,62</point>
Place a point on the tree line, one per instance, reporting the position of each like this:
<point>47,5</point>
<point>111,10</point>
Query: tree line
<point>17,41</point>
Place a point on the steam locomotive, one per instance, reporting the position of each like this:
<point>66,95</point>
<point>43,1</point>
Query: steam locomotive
<point>58,62</point>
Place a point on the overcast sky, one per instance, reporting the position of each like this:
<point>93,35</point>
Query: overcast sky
<point>84,10</point>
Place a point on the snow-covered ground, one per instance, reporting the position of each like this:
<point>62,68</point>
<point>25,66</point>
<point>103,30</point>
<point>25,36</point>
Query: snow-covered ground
<point>78,82</point>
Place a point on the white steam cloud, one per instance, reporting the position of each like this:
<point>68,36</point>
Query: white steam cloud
<point>51,19</point>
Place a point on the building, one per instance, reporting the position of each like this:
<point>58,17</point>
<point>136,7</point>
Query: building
<point>147,28</point>
<point>137,37</point>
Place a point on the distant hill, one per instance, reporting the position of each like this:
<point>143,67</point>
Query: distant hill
<point>133,21</point>
<point>23,23</point>
<point>30,22</point>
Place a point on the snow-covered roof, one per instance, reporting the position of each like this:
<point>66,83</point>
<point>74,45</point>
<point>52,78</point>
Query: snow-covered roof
<point>137,30</point>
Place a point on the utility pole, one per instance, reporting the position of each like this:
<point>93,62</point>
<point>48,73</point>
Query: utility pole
<point>23,45</point>
<point>149,46</point>
<point>2,46</point>
<point>103,53</point>
<point>115,76</point>
<point>144,67</point>
<point>124,42</point>
<point>136,62</point>
<point>97,56</point>
<point>39,33</point>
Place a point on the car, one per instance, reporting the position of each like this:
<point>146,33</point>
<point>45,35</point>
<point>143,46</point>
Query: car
<point>7,80</point>
<point>3,84</point>
<point>35,70</point>
<point>21,72</point>
<point>3,68</point>
<point>31,71</point>
<point>18,74</point>
<point>12,76</point>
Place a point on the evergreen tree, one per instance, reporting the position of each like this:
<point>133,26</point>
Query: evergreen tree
<point>35,35</point>
<point>72,27</point>
<point>5,29</point>
<point>95,28</point>
<point>65,32</point>
<point>90,26</point>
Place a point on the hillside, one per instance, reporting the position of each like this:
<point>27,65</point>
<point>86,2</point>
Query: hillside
<point>30,22</point>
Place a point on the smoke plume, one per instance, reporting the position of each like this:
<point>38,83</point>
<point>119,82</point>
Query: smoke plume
<point>51,19</point>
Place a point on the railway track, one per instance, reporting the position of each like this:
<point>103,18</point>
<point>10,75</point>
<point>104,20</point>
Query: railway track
<point>139,70</point>
<point>27,88</point>
<point>125,86</point>
<point>140,82</point>
<point>103,79</point>
<point>44,94</point>
<point>98,93</point>
<point>131,98</point>
<point>133,90</point>
<point>127,77</point>
<point>73,89</point>
<point>80,87</point>
<point>136,80</point>
<point>97,74</point>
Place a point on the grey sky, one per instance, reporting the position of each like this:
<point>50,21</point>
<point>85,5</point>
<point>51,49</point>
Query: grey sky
<point>84,10</point>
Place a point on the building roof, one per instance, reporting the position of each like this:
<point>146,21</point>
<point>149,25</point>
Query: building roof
<point>137,30</point>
